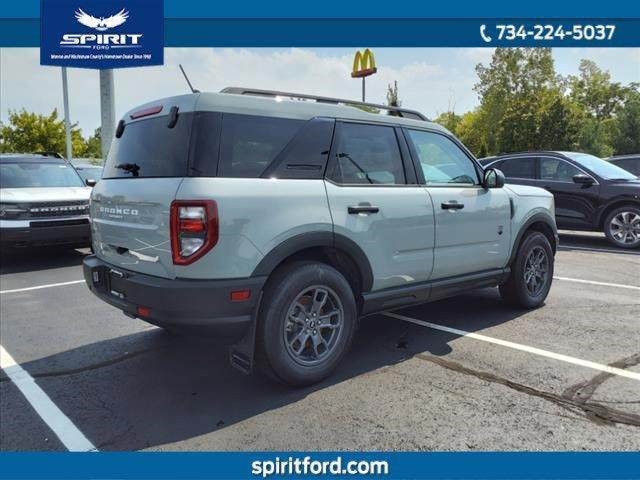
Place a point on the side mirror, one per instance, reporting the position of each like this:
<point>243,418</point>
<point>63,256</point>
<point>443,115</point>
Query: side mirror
<point>493,178</point>
<point>583,179</point>
<point>90,182</point>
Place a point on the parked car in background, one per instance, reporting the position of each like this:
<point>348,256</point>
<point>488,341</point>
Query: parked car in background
<point>43,201</point>
<point>631,163</point>
<point>89,172</point>
<point>590,193</point>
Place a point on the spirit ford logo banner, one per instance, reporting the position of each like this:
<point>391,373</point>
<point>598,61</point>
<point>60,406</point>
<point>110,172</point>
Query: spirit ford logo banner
<point>101,34</point>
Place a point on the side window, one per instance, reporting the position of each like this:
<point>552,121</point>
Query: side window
<point>250,143</point>
<point>367,154</point>
<point>557,170</point>
<point>442,161</point>
<point>522,167</point>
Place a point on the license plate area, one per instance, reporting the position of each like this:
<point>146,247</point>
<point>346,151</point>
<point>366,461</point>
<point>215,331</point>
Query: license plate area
<point>117,283</point>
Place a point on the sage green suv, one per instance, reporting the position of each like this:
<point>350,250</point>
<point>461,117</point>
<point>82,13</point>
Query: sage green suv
<point>276,221</point>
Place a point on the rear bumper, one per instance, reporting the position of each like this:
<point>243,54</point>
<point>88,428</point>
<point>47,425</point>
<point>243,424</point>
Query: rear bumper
<point>76,231</point>
<point>200,305</point>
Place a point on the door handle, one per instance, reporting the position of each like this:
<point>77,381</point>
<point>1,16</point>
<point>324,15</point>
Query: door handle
<point>452,206</point>
<point>363,208</point>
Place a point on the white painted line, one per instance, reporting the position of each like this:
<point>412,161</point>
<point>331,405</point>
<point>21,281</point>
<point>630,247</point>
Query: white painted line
<point>594,249</point>
<point>602,284</point>
<point>72,438</point>
<point>38,287</point>
<point>517,346</point>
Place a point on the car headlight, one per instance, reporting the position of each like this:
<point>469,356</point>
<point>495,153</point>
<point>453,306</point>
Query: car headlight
<point>11,210</point>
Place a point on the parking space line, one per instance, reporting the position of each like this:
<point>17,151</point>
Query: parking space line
<point>38,287</point>
<point>517,346</point>
<point>566,248</point>
<point>70,436</point>
<point>592,282</point>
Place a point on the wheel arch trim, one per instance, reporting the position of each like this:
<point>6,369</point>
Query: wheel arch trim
<point>531,221</point>
<point>304,241</point>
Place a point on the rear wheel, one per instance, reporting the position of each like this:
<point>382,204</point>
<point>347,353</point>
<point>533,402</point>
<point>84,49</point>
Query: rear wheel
<point>531,273</point>
<point>307,322</point>
<point>622,227</point>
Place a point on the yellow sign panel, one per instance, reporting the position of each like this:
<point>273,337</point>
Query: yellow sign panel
<point>364,64</point>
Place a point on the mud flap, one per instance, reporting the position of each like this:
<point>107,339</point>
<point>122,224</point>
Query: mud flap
<point>242,353</point>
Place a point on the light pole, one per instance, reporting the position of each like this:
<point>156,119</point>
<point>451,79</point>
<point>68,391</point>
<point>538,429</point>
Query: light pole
<point>67,123</point>
<point>107,111</point>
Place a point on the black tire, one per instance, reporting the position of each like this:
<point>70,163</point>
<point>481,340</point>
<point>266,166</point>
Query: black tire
<point>632,213</point>
<point>516,291</point>
<point>275,328</point>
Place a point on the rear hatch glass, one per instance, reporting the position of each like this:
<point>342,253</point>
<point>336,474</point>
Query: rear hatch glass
<point>149,148</point>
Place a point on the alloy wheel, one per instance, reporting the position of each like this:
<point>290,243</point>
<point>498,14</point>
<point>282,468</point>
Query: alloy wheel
<point>536,270</point>
<point>625,228</point>
<point>313,325</point>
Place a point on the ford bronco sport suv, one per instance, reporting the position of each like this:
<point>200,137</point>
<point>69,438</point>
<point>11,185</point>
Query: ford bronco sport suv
<point>43,201</point>
<point>277,220</point>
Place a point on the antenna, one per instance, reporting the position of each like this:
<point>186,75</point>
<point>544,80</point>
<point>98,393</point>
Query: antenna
<point>193,90</point>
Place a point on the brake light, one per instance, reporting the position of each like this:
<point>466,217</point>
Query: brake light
<point>145,112</point>
<point>194,229</point>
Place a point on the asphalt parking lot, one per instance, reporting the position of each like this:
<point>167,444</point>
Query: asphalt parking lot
<point>466,373</point>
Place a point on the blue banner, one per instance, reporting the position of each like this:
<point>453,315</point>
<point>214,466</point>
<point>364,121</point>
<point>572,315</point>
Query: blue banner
<point>101,34</point>
<point>235,465</point>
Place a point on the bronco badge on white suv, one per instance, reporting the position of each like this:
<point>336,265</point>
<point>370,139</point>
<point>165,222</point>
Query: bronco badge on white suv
<point>43,201</point>
<point>277,220</point>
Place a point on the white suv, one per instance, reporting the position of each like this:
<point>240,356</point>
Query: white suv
<point>43,201</point>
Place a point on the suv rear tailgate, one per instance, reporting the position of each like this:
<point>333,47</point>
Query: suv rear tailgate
<point>130,223</point>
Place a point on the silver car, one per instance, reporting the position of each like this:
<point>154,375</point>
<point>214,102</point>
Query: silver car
<point>277,220</point>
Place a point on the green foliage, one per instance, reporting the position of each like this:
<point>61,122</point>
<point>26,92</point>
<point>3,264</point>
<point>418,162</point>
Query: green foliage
<point>525,105</point>
<point>392,97</point>
<point>30,132</point>
<point>626,131</point>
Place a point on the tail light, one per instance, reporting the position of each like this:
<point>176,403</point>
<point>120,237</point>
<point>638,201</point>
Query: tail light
<point>194,229</point>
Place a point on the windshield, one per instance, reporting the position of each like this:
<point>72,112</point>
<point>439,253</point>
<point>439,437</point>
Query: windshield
<point>34,175</point>
<point>90,173</point>
<point>600,167</point>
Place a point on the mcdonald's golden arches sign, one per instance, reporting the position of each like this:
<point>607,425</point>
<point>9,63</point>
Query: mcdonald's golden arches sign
<point>364,64</point>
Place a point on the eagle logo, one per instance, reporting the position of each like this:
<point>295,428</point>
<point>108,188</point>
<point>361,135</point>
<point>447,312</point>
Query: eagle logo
<point>101,24</point>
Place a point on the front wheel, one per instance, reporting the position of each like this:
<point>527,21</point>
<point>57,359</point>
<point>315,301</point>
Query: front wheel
<point>622,227</point>
<point>531,273</point>
<point>307,322</point>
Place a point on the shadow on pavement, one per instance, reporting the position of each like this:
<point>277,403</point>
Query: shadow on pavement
<point>43,258</point>
<point>164,389</point>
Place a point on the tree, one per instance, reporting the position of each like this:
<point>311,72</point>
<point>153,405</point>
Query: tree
<point>31,132</point>
<point>392,97</point>
<point>510,89</point>
<point>449,120</point>
<point>94,145</point>
<point>594,90</point>
<point>626,131</point>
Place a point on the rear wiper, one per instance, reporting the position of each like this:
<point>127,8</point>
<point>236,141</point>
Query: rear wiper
<point>132,168</point>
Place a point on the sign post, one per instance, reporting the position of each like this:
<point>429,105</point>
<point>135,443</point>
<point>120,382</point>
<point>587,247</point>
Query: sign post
<point>67,122</point>
<point>364,65</point>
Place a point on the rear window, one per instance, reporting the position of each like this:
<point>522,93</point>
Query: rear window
<point>523,167</point>
<point>149,148</point>
<point>248,143</point>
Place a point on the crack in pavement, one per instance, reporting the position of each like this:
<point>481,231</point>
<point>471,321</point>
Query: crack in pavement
<point>595,412</point>
<point>95,366</point>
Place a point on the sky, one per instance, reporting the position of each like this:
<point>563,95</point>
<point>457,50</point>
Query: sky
<point>432,80</point>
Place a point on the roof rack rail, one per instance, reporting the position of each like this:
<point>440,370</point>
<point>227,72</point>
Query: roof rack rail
<point>403,112</point>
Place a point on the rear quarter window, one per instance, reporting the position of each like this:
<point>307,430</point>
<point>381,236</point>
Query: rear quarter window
<point>249,144</point>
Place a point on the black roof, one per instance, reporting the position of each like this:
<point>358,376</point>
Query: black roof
<point>29,157</point>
